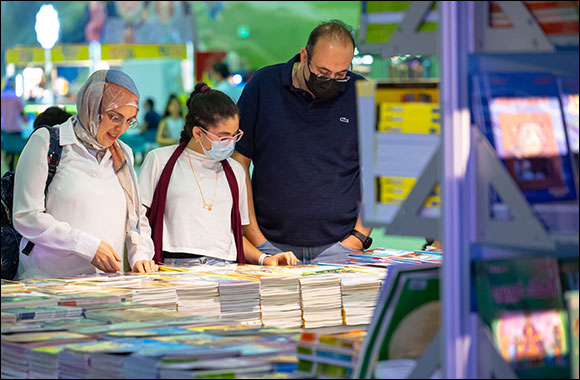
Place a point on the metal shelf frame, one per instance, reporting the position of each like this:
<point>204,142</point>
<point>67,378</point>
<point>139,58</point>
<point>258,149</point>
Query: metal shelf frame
<point>468,165</point>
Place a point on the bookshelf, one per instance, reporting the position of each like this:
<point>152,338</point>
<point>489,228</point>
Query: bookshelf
<point>468,165</point>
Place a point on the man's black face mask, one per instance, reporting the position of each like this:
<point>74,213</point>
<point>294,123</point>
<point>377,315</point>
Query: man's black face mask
<point>321,88</point>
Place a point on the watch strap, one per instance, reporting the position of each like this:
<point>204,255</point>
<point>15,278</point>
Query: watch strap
<point>366,240</point>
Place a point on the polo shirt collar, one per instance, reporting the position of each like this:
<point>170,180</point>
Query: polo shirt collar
<point>287,72</point>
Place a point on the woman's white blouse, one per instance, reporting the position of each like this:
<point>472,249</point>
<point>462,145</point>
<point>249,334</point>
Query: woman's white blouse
<point>187,226</point>
<point>84,205</point>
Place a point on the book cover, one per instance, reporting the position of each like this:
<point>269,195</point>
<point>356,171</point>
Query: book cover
<point>534,343</point>
<point>517,285</point>
<point>415,319</point>
<point>373,344</point>
<point>572,305</point>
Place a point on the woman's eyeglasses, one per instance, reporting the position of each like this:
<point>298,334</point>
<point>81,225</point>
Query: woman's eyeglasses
<point>118,121</point>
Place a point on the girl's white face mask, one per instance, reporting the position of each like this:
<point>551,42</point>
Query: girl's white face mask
<point>220,150</point>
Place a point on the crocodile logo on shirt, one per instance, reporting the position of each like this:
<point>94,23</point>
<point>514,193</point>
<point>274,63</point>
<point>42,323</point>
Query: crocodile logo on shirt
<point>344,120</point>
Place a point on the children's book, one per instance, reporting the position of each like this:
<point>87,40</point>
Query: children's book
<point>517,285</point>
<point>535,343</point>
<point>572,306</point>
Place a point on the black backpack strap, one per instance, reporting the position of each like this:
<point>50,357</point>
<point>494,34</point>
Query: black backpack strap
<point>54,153</point>
<point>53,157</point>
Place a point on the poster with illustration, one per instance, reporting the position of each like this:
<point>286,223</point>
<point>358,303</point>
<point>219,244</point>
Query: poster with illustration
<point>530,137</point>
<point>533,339</point>
<point>570,107</point>
<point>528,127</point>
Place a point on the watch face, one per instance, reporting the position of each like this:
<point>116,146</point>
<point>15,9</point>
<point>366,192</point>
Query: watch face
<point>368,242</point>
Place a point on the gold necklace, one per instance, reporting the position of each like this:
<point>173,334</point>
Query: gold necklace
<point>205,205</point>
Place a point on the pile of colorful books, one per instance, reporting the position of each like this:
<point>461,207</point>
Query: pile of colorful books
<point>329,354</point>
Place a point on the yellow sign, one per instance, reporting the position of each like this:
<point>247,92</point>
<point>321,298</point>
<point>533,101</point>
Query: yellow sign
<point>23,56</point>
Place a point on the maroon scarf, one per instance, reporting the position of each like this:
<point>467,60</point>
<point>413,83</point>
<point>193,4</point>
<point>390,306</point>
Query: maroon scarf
<point>157,210</point>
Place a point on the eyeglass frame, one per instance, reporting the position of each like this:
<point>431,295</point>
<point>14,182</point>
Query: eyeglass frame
<point>235,138</point>
<point>322,77</point>
<point>133,121</point>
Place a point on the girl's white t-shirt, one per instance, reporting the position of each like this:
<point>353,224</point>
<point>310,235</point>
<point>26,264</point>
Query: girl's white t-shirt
<point>187,226</point>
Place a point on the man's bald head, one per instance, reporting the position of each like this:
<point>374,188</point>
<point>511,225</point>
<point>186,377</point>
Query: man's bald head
<point>333,30</point>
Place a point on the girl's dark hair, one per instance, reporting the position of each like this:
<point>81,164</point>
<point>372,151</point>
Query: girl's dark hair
<point>207,108</point>
<point>171,98</point>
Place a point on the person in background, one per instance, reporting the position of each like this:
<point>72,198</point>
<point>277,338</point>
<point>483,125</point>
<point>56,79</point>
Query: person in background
<point>300,131</point>
<point>171,124</point>
<point>197,194</point>
<point>151,121</point>
<point>220,75</point>
<point>11,120</point>
<point>51,116</point>
<point>12,109</point>
<point>90,212</point>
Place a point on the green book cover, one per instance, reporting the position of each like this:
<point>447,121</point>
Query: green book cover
<point>521,300</point>
<point>572,305</point>
<point>516,285</point>
<point>415,319</point>
<point>373,344</point>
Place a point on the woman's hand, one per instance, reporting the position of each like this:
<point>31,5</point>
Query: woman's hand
<point>145,266</point>
<point>283,258</point>
<point>106,258</point>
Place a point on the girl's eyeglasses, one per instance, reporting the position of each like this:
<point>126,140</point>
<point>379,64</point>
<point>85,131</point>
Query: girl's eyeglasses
<point>235,138</point>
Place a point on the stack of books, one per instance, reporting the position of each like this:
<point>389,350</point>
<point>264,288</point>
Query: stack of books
<point>321,300</point>
<point>329,354</point>
<point>279,296</point>
<point>26,301</point>
<point>239,298</point>
<point>225,368</point>
<point>89,299</point>
<point>196,296</point>
<point>158,294</point>
<point>359,297</point>
<point>32,313</point>
<point>43,362</point>
<point>16,349</point>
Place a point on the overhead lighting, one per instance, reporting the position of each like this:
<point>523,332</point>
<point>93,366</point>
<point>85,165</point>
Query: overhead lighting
<point>367,59</point>
<point>47,26</point>
<point>19,85</point>
<point>237,79</point>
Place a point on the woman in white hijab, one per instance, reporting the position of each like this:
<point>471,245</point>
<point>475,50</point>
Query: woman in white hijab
<point>91,211</point>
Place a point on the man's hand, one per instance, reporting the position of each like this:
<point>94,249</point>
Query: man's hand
<point>352,242</point>
<point>145,266</point>
<point>283,258</point>
<point>106,258</point>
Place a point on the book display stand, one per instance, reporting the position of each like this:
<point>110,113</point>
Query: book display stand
<point>472,224</point>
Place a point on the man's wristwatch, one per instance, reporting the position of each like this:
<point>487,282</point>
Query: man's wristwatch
<point>367,241</point>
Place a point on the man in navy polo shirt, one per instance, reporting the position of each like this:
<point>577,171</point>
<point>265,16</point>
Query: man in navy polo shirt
<point>300,132</point>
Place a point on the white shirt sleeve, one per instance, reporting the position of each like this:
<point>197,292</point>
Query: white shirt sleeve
<point>144,250</point>
<point>149,174</point>
<point>30,217</point>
